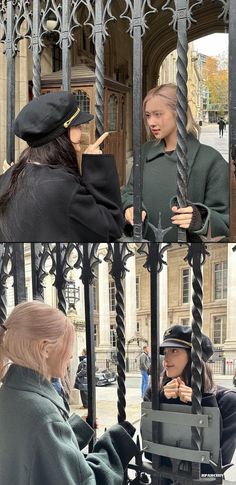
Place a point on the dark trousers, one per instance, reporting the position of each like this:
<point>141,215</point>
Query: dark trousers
<point>84,398</point>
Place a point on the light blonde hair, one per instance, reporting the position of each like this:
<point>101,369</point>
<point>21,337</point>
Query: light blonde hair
<point>169,93</point>
<point>29,324</point>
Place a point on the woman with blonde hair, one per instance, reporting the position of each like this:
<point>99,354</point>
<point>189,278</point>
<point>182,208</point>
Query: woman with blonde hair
<point>208,175</point>
<point>37,443</point>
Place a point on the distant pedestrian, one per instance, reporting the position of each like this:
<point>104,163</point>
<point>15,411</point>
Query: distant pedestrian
<point>144,365</point>
<point>222,126</point>
<point>81,380</point>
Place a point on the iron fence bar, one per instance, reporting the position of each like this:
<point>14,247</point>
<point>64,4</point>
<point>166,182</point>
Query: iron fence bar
<point>118,266</point>
<point>89,325</point>
<point>4,274</point>
<point>196,257</point>
<point>18,272</point>
<point>99,67</point>
<point>154,257</point>
<point>36,260</point>
<point>10,55</point>
<point>60,279</point>
<point>137,117</point>
<point>66,51</point>
<point>36,50</point>
<point>181,108</point>
<point>232,92</point>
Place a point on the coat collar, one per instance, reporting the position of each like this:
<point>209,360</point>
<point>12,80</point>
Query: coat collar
<point>155,150</point>
<point>25,379</point>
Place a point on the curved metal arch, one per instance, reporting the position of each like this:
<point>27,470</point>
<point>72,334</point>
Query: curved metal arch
<point>208,22</point>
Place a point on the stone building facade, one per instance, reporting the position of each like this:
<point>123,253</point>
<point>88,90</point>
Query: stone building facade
<point>219,290</point>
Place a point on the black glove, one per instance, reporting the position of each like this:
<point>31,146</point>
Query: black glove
<point>199,215</point>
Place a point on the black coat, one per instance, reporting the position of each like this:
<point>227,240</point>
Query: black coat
<point>226,400</point>
<point>52,204</point>
<point>81,380</point>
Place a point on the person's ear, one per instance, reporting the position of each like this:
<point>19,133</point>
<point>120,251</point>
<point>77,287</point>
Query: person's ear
<point>45,348</point>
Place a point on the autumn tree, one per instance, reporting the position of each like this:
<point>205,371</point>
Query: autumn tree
<point>215,75</point>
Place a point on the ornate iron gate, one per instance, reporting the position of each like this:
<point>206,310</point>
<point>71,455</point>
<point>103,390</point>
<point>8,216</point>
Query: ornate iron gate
<point>35,19</point>
<point>12,264</point>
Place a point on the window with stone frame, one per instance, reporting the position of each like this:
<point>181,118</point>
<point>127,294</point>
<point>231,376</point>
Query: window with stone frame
<point>220,280</point>
<point>112,296</point>
<point>219,330</point>
<point>184,321</point>
<point>82,100</point>
<point>185,296</point>
<point>96,335</point>
<point>137,292</point>
<point>113,336</point>
<point>95,295</point>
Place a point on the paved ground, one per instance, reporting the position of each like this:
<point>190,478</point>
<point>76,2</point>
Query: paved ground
<point>107,408</point>
<point>210,136</point>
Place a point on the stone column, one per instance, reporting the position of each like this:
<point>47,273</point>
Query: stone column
<point>130,298</point>
<point>104,349</point>
<point>131,310</point>
<point>230,343</point>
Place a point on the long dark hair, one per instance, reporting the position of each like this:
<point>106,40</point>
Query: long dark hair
<point>208,384</point>
<point>56,152</point>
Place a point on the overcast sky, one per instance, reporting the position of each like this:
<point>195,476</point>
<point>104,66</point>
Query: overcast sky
<point>212,45</point>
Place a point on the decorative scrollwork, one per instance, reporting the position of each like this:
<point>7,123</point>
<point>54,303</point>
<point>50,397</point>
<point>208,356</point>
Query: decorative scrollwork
<point>3,22</point>
<point>225,10</point>
<point>199,247</point>
<point>51,12</point>
<point>159,255</point>
<point>88,267</point>
<point>179,11</point>
<point>42,256</point>
<point>6,266</point>
<point>137,15</point>
<point>23,22</point>
<point>118,265</point>
<point>73,20</point>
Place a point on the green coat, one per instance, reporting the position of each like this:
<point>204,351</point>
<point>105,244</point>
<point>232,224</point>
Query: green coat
<point>208,186</point>
<point>38,446</point>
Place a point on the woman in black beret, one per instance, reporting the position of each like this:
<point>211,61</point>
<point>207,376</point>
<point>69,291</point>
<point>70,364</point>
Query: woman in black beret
<point>45,196</point>
<point>175,385</point>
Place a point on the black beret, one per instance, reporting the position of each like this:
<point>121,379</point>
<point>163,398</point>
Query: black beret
<point>180,336</point>
<point>50,115</point>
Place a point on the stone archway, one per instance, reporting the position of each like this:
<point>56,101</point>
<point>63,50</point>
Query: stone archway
<point>159,40</point>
